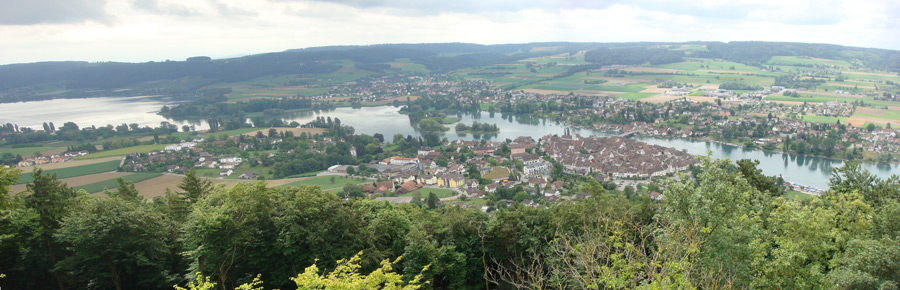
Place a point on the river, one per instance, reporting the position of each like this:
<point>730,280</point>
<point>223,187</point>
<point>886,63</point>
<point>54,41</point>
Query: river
<point>806,170</point>
<point>802,169</point>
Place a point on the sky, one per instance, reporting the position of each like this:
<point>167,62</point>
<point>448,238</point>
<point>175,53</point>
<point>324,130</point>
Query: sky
<point>157,30</point>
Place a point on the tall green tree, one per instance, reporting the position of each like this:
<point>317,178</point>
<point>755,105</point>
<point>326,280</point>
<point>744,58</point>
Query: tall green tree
<point>44,208</point>
<point>115,243</point>
<point>194,187</point>
<point>230,233</point>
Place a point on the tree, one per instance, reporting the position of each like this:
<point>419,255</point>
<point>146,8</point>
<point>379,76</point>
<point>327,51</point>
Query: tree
<point>432,201</point>
<point>231,232</point>
<point>194,187</point>
<point>869,264</point>
<point>870,127</point>
<point>8,177</point>
<point>115,244</point>
<point>351,171</point>
<point>331,179</point>
<point>125,190</point>
<point>49,201</point>
<point>629,191</point>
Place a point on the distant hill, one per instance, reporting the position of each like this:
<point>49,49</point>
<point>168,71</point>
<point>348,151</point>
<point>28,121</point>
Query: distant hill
<point>46,80</point>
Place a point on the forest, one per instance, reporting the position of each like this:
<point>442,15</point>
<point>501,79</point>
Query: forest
<point>730,227</point>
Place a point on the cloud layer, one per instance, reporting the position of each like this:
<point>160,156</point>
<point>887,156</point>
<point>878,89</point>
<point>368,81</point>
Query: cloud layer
<point>142,30</point>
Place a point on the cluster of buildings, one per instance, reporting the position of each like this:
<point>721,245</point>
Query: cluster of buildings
<point>55,158</point>
<point>615,157</point>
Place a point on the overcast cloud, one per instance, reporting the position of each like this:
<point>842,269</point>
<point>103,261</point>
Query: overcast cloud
<point>144,30</point>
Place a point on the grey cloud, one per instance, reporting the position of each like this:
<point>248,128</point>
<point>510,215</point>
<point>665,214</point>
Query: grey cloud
<point>230,11</point>
<point>430,7</point>
<point>28,12</point>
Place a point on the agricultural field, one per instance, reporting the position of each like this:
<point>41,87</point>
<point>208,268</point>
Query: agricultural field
<point>75,171</point>
<point>424,192</point>
<point>824,119</point>
<point>792,60</point>
<point>325,183</point>
<point>28,151</point>
<point>113,182</point>
<point>123,151</point>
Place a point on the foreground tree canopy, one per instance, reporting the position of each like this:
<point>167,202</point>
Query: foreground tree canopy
<point>727,228</point>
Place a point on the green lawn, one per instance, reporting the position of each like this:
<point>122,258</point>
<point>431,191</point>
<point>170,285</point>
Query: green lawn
<point>75,171</point>
<point>889,114</point>
<point>113,183</point>
<point>308,174</point>
<point>824,119</point>
<point>797,195</point>
<point>325,182</point>
<point>424,192</point>
<point>124,151</point>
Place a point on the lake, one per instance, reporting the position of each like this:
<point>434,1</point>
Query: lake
<point>90,111</point>
<point>386,120</point>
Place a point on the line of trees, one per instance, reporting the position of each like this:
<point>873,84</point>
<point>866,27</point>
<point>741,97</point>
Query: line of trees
<point>730,228</point>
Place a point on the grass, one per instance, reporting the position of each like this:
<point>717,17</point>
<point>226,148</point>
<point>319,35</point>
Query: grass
<point>75,171</point>
<point>889,114</point>
<point>113,183</point>
<point>824,119</point>
<point>123,151</point>
<point>636,96</point>
<point>424,192</point>
<point>307,174</point>
<point>27,151</point>
<point>796,195</point>
<point>497,173</point>
<point>324,182</point>
<point>207,172</point>
<point>790,60</point>
<point>477,201</point>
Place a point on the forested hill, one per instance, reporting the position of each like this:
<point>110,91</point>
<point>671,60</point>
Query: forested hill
<point>45,80</point>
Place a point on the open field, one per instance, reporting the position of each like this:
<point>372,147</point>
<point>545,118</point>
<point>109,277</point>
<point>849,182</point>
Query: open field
<point>123,151</point>
<point>28,151</point>
<point>424,192</point>
<point>796,195</point>
<point>75,171</point>
<point>295,131</point>
<point>71,163</point>
<point>871,111</point>
<point>790,60</point>
<point>325,182</point>
<point>653,89</point>
<point>154,187</point>
<point>113,182</point>
<point>861,121</point>
<point>824,119</point>
<point>636,96</point>
<point>597,93</point>
<point>651,69</point>
<point>77,181</point>
<point>497,172</point>
<point>702,99</point>
<point>659,99</point>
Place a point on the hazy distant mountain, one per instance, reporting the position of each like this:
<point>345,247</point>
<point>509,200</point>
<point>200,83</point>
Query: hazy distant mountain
<point>43,80</point>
